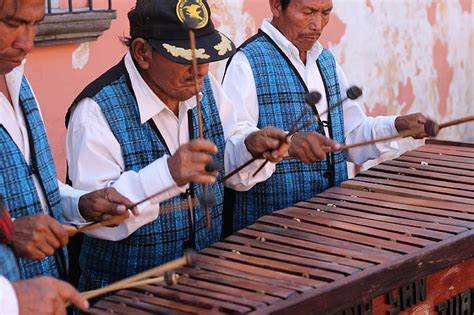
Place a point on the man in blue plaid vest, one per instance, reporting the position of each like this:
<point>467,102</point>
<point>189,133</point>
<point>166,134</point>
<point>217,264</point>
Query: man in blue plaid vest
<point>136,128</point>
<point>267,80</point>
<point>33,196</point>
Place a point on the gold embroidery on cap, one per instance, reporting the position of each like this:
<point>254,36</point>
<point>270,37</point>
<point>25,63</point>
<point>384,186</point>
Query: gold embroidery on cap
<point>193,11</point>
<point>186,53</point>
<point>224,46</point>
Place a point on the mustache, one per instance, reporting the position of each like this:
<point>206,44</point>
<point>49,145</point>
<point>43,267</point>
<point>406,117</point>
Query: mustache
<point>190,78</point>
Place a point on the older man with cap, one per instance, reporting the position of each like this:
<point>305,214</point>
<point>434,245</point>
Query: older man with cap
<point>266,80</point>
<point>135,128</point>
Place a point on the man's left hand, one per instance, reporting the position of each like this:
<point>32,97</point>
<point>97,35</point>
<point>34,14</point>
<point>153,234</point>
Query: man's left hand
<point>103,204</point>
<point>412,122</point>
<point>269,143</point>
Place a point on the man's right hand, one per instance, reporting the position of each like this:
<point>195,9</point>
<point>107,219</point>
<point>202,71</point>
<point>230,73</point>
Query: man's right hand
<point>308,146</point>
<point>187,164</point>
<point>38,236</point>
<point>46,295</point>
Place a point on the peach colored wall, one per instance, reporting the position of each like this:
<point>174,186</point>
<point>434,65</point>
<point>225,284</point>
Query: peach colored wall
<point>409,55</point>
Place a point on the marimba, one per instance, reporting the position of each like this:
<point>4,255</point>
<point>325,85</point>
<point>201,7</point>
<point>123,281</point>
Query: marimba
<point>397,238</point>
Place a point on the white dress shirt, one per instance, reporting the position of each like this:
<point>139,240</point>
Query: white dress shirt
<point>239,85</point>
<point>8,300</point>
<point>11,117</point>
<point>95,157</point>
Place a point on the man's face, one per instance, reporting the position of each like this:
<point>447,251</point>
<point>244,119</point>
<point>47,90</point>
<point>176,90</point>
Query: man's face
<point>18,25</point>
<point>173,81</point>
<point>302,21</point>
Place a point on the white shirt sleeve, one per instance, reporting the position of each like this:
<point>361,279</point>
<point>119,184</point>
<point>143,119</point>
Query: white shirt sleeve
<point>358,128</point>
<point>237,126</point>
<point>8,300</point>
<point>95,161</point>
<point>70,203</point>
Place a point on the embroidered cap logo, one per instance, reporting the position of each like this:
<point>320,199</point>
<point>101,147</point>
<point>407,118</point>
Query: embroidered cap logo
<point>192,13</point>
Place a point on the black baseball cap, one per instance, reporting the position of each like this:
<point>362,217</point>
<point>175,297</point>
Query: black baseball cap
<point>166,24</point>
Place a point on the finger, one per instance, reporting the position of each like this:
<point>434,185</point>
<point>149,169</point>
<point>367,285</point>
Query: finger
<point>135,211</point>
<point>201,145</point>
<point>268,156</point>
<point>270,144</point>
<point>313,153</point>
<point>281,151</point>
<point>69,294</point>
<point>325,141</point>
<point>71,230</point>
<point>421,118</point>
<point>200,158</point>
<point>316,153</point>
<point>45,249</point>
<point>302,155</point>
<point>32,252</point>
<point>203,179</point>
<point>275,133</point>
<point>114,196</point>
<point>59,232</point>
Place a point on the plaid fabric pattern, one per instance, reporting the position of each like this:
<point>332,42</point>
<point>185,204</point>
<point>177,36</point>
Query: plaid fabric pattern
<point>281,99</point>
<point>8,263</point>
<point>16,183</point>
<point>164,239</point>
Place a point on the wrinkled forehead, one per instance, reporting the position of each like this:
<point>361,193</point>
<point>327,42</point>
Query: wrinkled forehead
<point>26,10</point>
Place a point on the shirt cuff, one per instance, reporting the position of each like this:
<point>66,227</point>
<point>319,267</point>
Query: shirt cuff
<point>8,299</point>
<point>156,177</point>
<point>70,204</point>
<point>386,126</point>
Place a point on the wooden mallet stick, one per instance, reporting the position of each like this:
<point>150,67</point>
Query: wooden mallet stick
<point>406,133</point>
<point>170,278</point>
<point>205,188</point>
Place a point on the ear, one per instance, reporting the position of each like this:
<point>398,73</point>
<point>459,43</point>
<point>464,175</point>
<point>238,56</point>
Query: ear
<point>141,52</point>
<point>275,7</point>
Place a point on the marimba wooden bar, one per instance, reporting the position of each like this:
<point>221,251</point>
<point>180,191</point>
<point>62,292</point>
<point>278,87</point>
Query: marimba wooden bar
<point>396,239</point>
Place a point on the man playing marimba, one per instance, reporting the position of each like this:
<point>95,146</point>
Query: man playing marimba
<point>133,129</point>
<point>27,173</point>
<point>288,46</point>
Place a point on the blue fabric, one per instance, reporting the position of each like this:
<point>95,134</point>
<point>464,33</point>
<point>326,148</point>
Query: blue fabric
<point>280,95</point>
<point>16,183</point>
<point>162,240</point>
<point>8,263</point>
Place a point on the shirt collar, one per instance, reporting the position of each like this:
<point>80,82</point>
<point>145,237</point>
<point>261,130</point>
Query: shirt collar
<point>149,104</point>
<point>285,45</point>
<point>13,79</point>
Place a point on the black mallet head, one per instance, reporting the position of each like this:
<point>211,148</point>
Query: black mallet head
<point>312,98</point>
<point>208,200</point>
<point>171,278</point>
<point>431,128</point>
<point>354,92</point>
<point>213,166</point>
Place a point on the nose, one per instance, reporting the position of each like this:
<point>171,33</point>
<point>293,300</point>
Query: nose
<point>25,38</point>
<point>202,69</point>
<point>316,22</point>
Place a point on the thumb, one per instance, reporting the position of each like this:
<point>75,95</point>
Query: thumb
<point>69,294</point>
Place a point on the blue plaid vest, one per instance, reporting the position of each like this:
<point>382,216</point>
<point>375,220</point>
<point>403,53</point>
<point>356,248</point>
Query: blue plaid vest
<point>162,240</point>
<point>280,92</point>
<point>8,263</point>
<point>17,186</point>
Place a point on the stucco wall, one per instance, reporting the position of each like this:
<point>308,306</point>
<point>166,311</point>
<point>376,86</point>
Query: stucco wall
<point>408,55</point>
